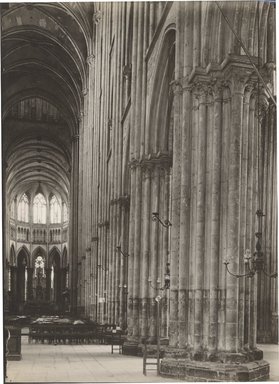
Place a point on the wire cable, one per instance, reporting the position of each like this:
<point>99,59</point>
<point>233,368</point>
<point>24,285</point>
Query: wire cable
<point>247,53</point>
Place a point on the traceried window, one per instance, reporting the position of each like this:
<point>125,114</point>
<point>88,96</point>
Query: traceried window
<point>13,209</point>
<point>39,209</point>
<point>65,213</point>
<point>55,210</point>
<point>23,209</point>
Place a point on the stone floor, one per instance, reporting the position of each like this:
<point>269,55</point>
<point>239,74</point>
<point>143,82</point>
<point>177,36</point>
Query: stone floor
<point>92,364</point>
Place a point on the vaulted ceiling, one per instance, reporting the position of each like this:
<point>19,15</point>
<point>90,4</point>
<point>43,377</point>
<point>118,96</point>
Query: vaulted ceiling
<point>44,52</point>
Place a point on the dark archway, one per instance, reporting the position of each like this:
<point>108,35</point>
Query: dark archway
<point>55,277</point>
<point>23,260</point>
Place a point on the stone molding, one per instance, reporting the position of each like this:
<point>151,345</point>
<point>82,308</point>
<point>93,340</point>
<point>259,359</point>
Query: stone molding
<point>75,137</point>
<point>103,224</point>
<point>123,201</point>
<point>160,159</point>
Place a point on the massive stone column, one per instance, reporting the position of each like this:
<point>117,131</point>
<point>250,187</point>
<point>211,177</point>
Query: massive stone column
<point>73,249</point>
<point>48,283</point>
<point>217,317</point>
<point>30,283</point>
<point>13,288</point>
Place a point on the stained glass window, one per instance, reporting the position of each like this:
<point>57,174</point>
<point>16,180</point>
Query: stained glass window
<point>55,210</point>
<point>39,266</point>
<point>39,209</point>
<point>23,209</point>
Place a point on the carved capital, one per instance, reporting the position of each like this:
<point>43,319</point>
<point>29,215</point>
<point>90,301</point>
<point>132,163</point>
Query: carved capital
<point>133,163</point>
<point>75,137</point>
<point>238,82</point>
<point>103,224</point>
<point>127,71</point>
<point>202,90</point>
<point>90,59</point>
<point>81,116</point>
<point>122,201</point>
<point>146,169</point>
<point>97,17</point>
<point>176,87</point>
<point>160,159</point>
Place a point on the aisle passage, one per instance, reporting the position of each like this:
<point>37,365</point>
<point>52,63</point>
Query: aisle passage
<point>76,363</point>
<point>93,364</point>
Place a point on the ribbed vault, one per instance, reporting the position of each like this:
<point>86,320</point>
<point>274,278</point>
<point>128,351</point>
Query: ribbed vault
<point>44,52</point>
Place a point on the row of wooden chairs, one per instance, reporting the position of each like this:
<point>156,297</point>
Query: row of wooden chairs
<point>71,334</point>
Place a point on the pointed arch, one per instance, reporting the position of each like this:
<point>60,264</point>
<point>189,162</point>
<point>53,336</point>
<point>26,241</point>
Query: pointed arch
<point>38,251</point>
<point>54,256</point>
<point>162,98</point>
<point>23,256</point>
<point>12,256</point>
<point>55,275</point>
<point>64,257</point>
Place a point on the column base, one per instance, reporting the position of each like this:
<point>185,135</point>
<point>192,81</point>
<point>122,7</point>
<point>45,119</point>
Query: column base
<point>132,348</point>
<point>191,370</point>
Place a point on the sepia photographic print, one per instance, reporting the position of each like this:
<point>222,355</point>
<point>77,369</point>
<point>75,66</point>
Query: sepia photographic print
<point>139,191</point>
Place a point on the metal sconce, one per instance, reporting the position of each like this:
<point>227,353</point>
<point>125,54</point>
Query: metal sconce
<point>118,249</point>
<point>167,280</point>
<point>256,263</point>
<point>125,287</point>
<point>165,223</point>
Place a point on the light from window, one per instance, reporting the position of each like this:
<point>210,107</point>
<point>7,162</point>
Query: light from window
<point>13,209</point>
<point>23,209</point>
<point>39,266</point>
<point>65,213</point>
<point>55,210</point>
<point>39,209</point>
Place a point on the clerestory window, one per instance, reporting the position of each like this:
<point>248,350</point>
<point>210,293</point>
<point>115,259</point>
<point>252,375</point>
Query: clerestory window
<point>65,213</point>
<point>39,209</point>
<point>55,210</point>
<point>23,209</point>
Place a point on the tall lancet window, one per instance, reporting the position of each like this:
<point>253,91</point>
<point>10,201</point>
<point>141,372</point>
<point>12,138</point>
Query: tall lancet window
<point>55,210</point>
<point>39,209</point>
<point>23,209</point>
<point>65,213</point>
<point>13,210</point>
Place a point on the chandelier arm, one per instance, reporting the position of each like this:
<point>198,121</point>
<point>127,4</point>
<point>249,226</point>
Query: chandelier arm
<point>165,224</point>
<point>162,223</point>
<point>236,275</point>
<point>150,283</point>
<point>272,275</point>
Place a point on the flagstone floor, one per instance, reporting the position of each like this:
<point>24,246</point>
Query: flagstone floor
<point>43,363</point>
